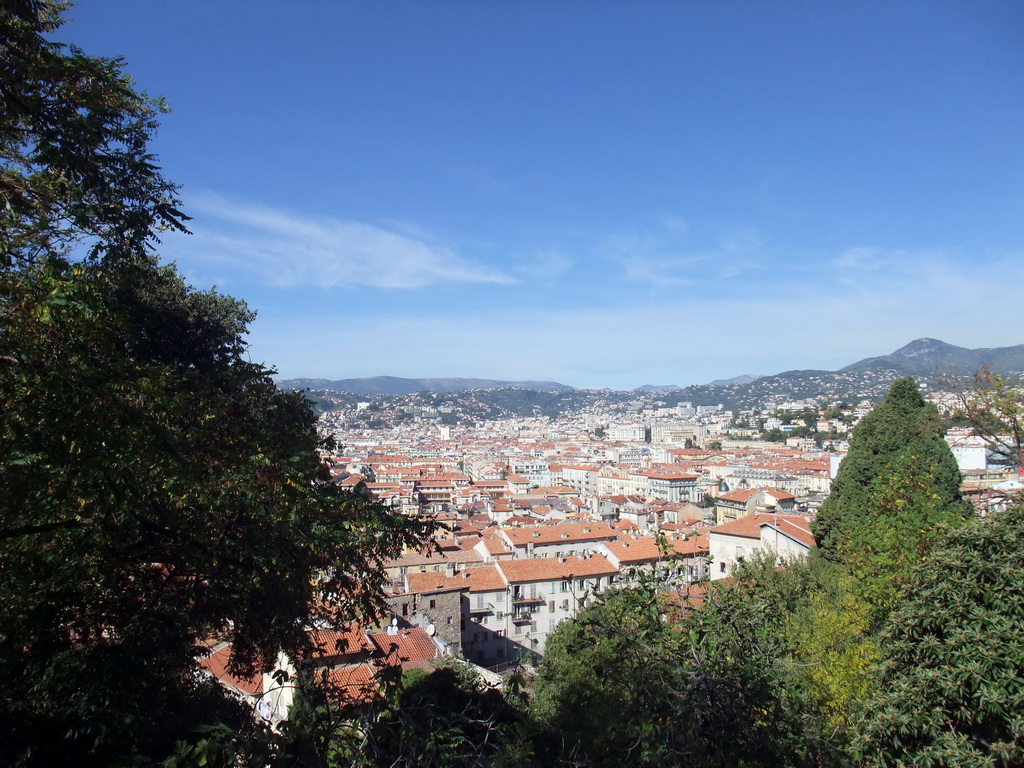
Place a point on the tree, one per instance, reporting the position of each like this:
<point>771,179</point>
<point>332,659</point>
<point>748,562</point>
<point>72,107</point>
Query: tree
<point>635,680</point>
<point>75,172</point>
<point>915,502</point>
<point>951,688</point>
<point>445,718</point>
<point>993,406</point>
<point>156,489</point>
<point>903,422</point>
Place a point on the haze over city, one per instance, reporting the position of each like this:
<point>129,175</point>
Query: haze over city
<point>602,194</point>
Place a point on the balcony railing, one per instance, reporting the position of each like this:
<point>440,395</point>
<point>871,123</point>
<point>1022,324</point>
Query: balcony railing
<point>523,599</point>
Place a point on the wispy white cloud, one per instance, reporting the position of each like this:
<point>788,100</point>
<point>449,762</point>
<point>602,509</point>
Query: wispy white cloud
<point>860,258</point>
<point>545,267</point>
<point>283,249</point>
<point>662,271</point>
<point>808,325</point>
<point>666,257</point>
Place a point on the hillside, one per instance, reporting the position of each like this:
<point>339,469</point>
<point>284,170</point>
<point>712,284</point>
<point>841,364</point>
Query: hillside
<point>395,385</point>
<point>934,363</point>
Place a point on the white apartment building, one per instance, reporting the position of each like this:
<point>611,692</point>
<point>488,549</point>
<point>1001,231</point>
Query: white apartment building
<point>678,433</point>
<point>665,484</point>
<point>788,535</point>
<point>626,432</point>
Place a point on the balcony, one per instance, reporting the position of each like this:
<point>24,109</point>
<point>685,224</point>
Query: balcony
<point>522,617</point>
<point>481,609</point>
<point>523,599</point>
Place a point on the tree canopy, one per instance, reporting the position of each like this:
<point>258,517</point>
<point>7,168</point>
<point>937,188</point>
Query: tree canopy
<point>952,680</point>
<point>903,424</point>
<point>639,678</point>
<point>156,489</point>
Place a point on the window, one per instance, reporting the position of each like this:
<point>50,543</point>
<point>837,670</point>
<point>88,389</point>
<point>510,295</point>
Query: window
<point>501,615</point>
<point>551,606</point>
<point>500,599</point>
<point>405,609</point>
<point>450,621</point>
<point>721,567</point>
<point>564,586</point>
<point>433,603</point>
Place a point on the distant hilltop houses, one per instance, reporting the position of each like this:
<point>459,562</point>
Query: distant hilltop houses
<point>933,363</point>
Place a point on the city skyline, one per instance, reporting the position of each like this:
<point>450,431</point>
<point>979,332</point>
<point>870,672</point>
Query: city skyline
<point>643,193</point>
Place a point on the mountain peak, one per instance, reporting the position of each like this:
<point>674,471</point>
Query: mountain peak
<point>927,347</point>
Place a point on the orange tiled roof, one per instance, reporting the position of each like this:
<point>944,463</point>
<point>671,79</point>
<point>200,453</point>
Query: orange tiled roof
<point>484,578</point>
<point>555,568</point>
<point>635,551</point>
<point>568,532</point>
<point>749,527</point>
<point>217,665</point>
<point>412,647</point>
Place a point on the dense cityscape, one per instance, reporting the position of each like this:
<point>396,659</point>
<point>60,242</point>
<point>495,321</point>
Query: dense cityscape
<point>205,564</point>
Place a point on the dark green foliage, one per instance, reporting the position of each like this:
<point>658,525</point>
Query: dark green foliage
<point>75,169</point>
<point>915,502</point>
<point>151,496</point>
<point>715,686</point>
<point>156,489</point>
<point>903,422</point>
<point>952,683</point>
<point>447,718</point>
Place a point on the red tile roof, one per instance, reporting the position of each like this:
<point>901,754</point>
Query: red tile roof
<point>567,532</point>
<point>749,527</point>
<point>412,648</point>
<point>483,578</point>
<point>217,665</point>
<point>555,568</point>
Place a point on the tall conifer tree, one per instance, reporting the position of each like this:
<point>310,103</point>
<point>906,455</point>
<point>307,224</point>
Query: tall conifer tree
<point>903,424</point>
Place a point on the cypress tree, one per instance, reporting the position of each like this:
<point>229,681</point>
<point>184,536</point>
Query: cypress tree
<point>903,424</point>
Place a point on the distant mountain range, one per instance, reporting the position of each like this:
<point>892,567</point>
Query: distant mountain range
<point>746,378</point>
<point>929,360</point>
<point>395,385</point>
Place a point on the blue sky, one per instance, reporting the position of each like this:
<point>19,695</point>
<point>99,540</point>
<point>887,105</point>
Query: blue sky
<point>598,193</point>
